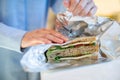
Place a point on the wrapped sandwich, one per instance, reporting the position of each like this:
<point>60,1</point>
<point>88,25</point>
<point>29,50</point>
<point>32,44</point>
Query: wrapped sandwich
<point>76,49</point>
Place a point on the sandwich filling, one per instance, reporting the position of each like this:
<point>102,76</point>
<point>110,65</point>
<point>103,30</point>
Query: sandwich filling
<point>73,50</point>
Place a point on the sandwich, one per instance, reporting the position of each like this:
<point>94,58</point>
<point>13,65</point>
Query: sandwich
<point>76,49</point>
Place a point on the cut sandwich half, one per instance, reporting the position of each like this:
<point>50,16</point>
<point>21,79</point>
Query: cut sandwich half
<point>79,48</point>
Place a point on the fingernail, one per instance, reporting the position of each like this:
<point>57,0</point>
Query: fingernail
<point>66,39</point>
<point>61,41</point>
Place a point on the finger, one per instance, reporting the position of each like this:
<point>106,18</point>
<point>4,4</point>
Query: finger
<point>40,40</point>
<point>59,35</point>
<point>87,8</point>
<point>73,4</point>
<point>37,41</point>
<point>66,3</point>
<point>55,34</point>
<point>54,39</point>
<point>65,22</point>
<point>62,21</point>
<point>58,23</point>
<point>92,11</point>
<point>80,7</point>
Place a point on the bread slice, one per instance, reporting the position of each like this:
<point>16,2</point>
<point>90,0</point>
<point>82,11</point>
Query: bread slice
<point>83,39</point>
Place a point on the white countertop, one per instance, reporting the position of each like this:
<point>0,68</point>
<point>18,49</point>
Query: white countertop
<point>103,71</point>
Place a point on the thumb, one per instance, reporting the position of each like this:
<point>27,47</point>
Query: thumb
<point>66,3</point>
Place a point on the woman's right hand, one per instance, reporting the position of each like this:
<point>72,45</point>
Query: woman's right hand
<point>42,36</point>
<point>81,7</point>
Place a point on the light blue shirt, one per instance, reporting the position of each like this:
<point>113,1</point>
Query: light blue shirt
<point>17,17</point>
<point>25,15</point>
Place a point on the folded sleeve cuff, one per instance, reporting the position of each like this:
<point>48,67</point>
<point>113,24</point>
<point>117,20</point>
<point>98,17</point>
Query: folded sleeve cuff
<point>10,38</point>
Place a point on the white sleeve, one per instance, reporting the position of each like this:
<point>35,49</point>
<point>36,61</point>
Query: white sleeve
<point>10,38</point>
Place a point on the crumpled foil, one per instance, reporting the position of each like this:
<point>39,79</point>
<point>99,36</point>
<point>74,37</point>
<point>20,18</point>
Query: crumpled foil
<point>108,36</point>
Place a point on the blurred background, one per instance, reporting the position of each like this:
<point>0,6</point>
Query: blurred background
<point>107,8</point>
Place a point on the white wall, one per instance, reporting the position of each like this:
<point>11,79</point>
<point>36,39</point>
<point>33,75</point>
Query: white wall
<point>107,7</point>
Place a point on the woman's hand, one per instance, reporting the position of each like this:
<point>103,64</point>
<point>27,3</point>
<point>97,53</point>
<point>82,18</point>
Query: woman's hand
<point>81,7</point>
<point>42,36</point>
